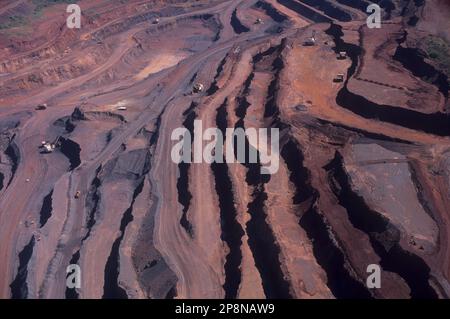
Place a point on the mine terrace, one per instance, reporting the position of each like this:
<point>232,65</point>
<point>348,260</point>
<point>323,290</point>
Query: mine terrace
<point>86,176</point>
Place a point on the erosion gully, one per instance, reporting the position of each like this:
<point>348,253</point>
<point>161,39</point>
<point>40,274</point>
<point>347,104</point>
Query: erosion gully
<point>19,286</point>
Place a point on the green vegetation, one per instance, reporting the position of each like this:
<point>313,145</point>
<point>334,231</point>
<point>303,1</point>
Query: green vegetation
<point>438,50</point>
<point>14,21</point>
<point>22,20</point>
<point>42,4</point>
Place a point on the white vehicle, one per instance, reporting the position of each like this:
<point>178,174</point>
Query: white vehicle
<point>198,87</point>
<point>342,55</point>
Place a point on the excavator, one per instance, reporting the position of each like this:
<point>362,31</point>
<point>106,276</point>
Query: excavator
<point>49,147</point>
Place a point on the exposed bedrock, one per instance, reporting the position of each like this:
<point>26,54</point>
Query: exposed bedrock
<point>111,287</point>
<point>46,209</point>
<point>238,27</point>
<point>231,229</point>
<point>434,123</point>
<point>72,151</point>
<point>340,279</point>
<point>304,11</point>
<point>184,195</point>
<point>271,11</point>
<point>155,277</point>
<point>383,235</point>
<point>329,9</point>
<point>19,286</point>
<point>116,186</point>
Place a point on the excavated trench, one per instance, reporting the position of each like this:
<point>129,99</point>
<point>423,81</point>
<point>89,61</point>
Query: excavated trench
<point>232,231</point>
<point>374,136</point>
<point>387,5</point>
<point>270,107</point>
<point>46,209</point>
<point>213,88</point>
<point>12,151</point>
<point>130,22</point>
<point>271,11</point>
<point>155,136</point>
<point>242,102</point>
<point>72,151</point>
<point>92,202</point>
<point>111,288</point>
<point>19,287</point>
<point>357,4</point>
<point>261,240</point>
<point>329,9</point>
<point>414,61</point>
<point>184,195</point>
<point>304,11</point>
<point>340,278</point>
<point>238,27</point>
<point>328,255</point>
<point>434,123</point>
<point>71,293</point>
<point>384,237</point>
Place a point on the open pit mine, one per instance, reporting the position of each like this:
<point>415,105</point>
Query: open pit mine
<point>92,204</point>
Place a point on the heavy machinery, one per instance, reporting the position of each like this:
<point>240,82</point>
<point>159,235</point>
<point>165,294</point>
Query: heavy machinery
<point>198,87</point>
<point>77,194</point>
<point>339,78</point>
<point>311,41</point>
<point>49,147</point>
<point>259,21</point>
<point>342,55</point>
<point>41,107</point>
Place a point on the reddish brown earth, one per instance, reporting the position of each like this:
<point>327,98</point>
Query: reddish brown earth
<point>363,178</point>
